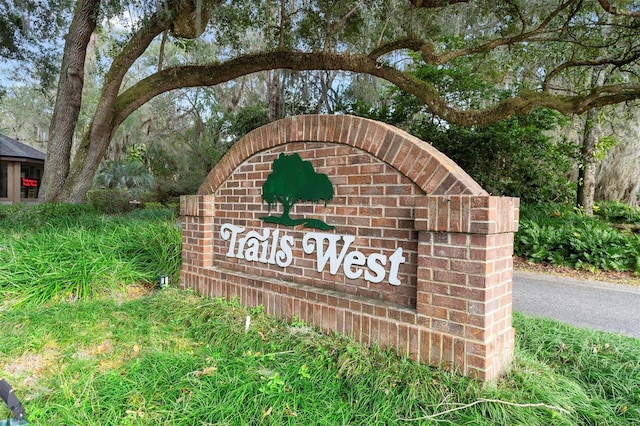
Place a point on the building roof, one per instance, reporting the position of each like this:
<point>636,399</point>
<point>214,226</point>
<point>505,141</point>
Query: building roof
<point>12,148</point>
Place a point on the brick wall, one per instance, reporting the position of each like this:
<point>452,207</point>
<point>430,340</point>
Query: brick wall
<point>452,306</point>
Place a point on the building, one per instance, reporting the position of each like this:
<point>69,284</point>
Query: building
<point>21,168</point>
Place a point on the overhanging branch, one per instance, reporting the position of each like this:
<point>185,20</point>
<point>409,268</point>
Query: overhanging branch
<point>210,75</point>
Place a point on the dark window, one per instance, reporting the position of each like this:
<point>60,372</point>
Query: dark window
<point>29,180</point>
<point>3,179</point>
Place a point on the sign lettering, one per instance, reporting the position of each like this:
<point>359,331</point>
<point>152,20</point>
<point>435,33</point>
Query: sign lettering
<point>30,183</point>
<point>269,247</point>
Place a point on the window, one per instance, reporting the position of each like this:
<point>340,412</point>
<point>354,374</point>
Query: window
<point>4,179</point>
<point>29,181</point>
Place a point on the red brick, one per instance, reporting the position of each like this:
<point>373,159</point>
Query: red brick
<point>383,209</point>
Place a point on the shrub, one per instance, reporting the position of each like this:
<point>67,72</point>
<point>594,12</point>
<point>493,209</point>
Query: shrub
<point>110,201</point>
<point>32,216</point>
<point>559,236</point>
<point>616,212</point>
<point>131,175</point>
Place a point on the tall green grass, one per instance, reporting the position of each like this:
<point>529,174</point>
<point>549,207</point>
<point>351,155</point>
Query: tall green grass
<point>66,252</point>
<point>174,358</point>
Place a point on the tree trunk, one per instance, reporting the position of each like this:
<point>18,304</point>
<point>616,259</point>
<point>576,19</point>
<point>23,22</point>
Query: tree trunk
<point>275,103</point>
<point>96,140</point>
<point>588,163</point>
<point>70,182</point>
<point>68,99</point>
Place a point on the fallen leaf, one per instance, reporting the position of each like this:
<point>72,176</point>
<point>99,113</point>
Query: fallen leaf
<point>266,413</point>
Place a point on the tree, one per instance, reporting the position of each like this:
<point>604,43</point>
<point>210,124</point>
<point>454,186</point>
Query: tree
<point>26,31</point>
<point>514,157</point>
<point>291,181</point>
<point>530,48</point>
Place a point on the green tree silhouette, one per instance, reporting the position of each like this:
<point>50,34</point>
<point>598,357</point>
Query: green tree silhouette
<point>293,180</point>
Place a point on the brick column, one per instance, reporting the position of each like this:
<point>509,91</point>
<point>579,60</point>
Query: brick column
<point>197,212</point>
<point>464,286</point>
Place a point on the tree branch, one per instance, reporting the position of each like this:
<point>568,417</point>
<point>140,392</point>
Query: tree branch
<point>336,25</point>
<point>614,11</point>
<point>209,75</point>
<point>435,3</point>
<point>505,41</point>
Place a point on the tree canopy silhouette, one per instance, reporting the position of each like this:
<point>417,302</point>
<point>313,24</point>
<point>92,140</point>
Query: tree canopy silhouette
<point>292,180</point>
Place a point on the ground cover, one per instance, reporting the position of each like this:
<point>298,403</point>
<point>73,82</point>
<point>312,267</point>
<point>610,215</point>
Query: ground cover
<point>561,236</point>
<point>173,358</point>
<point>125,353</point>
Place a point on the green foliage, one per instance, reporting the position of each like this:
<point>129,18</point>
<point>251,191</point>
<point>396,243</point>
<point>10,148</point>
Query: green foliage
<point>172,358</point>
<point>248,119</point>
<point>513,157</point>
<point>110,201</point>
<point>67,258</point>
<point>131,175</point>
<point>616,212</point>
<point>33,216</point>
<point>559,235</point>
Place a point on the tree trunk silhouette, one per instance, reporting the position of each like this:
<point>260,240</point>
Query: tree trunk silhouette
<point>588,163</point>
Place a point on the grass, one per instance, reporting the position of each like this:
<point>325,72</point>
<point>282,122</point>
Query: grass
<point>174,358</point>
<point>70,252</point>
<point>82,353</point>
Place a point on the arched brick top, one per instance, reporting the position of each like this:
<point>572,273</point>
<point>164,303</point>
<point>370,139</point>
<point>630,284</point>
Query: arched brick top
<point>427,167</point>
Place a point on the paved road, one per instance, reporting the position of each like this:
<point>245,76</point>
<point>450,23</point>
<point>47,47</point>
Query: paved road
<point>585,303</point>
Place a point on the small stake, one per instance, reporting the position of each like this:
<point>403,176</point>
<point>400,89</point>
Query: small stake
<point>163,281</point>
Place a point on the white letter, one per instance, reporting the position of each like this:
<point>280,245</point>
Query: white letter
<point>227,231</point>
<point>354,258</point>
<point>376,262</point>
<point>330,254</point>
<point>253,239</point>
<point>284,257</point>
<point>274,244</point>
<point>396,259</point>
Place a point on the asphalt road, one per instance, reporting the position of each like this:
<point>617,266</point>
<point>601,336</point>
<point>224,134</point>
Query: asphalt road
<point>592,304</point>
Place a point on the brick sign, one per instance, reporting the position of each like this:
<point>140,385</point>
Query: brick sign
<point>357,227</point>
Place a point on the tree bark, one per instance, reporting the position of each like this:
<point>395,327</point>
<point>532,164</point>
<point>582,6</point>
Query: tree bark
<point>588,163</point>
<point>96,140</point>
<point>68,99</point>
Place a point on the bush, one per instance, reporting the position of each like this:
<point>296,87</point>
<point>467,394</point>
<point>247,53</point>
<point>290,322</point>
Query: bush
<point>110,201</point>
<point>33,216</point>
<point>616,212</point>
<point>560,236</point>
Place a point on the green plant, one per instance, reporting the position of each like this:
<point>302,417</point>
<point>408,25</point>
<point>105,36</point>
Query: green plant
<point>560,236</point>
<point>616,212</point>
<point>131,175</point>
<point>34,216</point>
<point>110,201</point>
<point>69,261</point>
